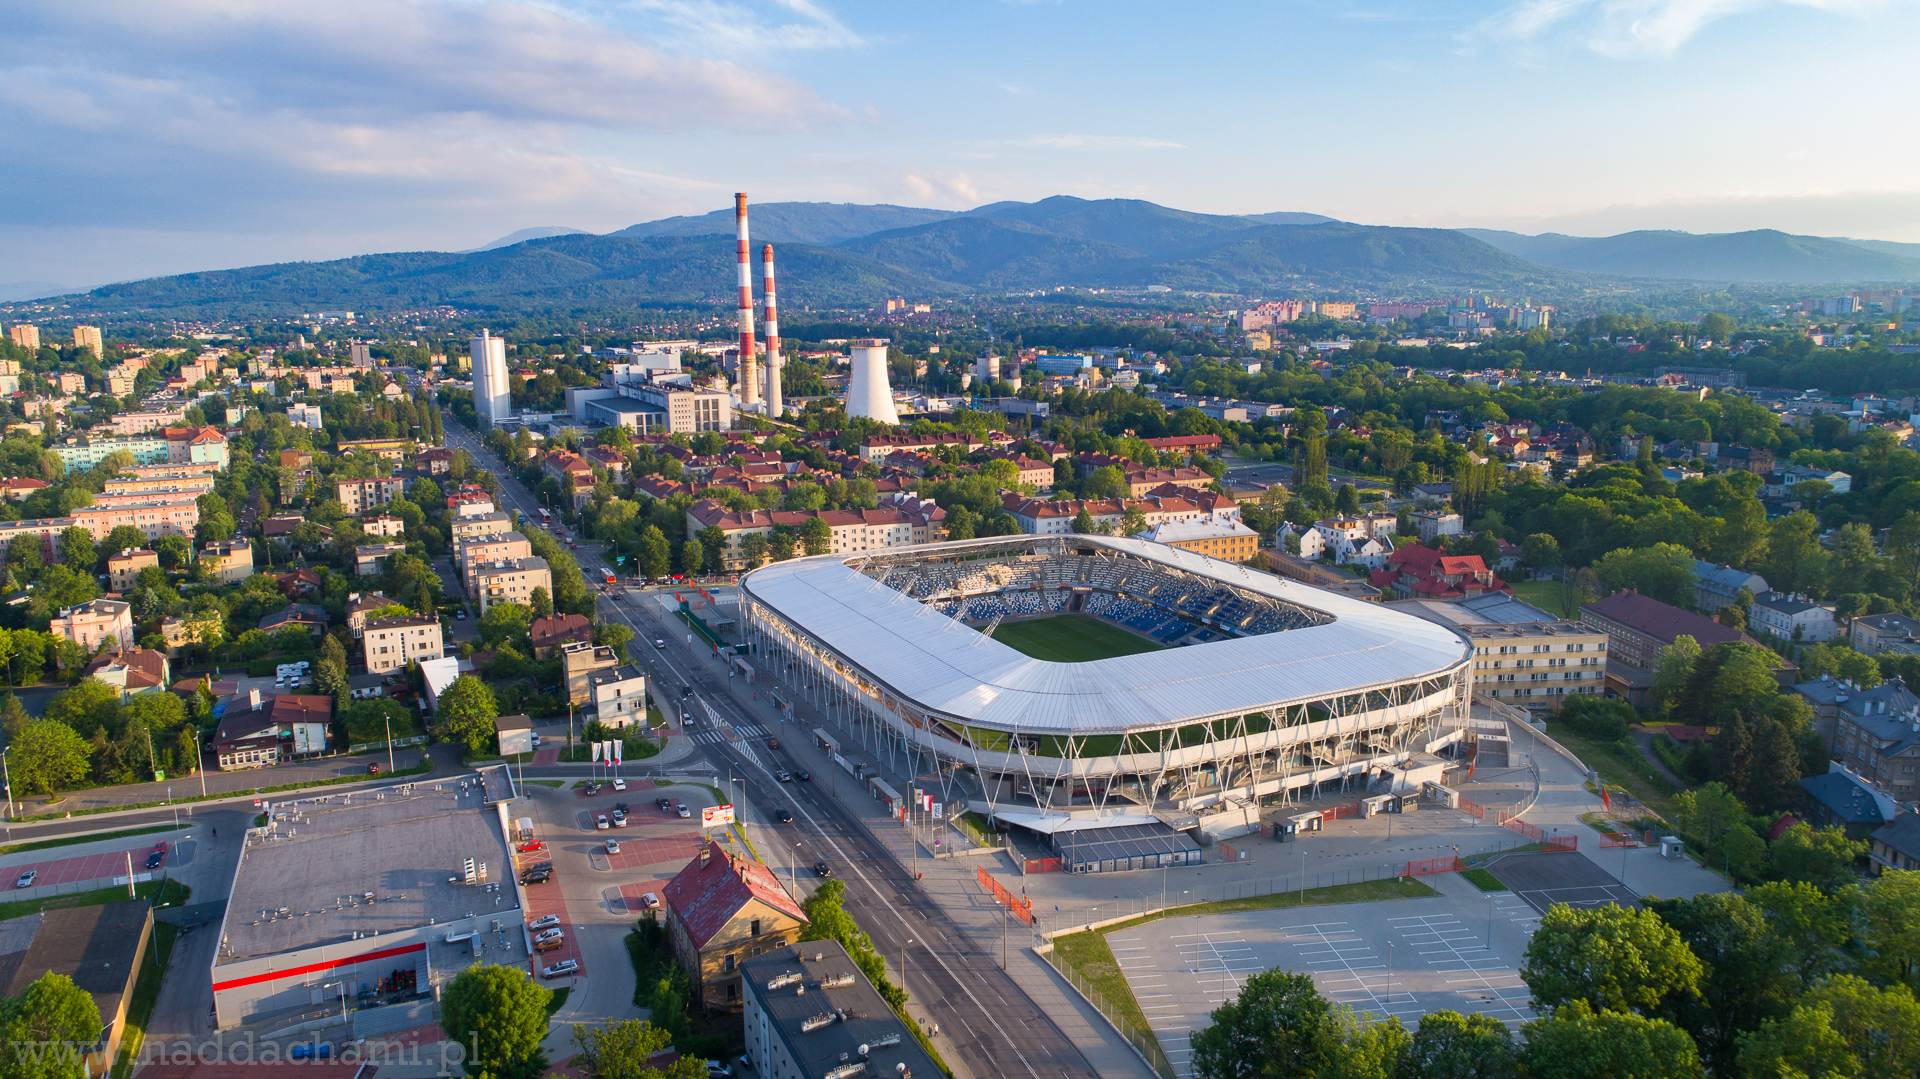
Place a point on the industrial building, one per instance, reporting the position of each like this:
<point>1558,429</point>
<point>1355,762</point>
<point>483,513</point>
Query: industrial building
<point>375,894</point>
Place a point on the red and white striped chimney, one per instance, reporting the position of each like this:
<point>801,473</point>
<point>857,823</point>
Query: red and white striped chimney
<point>749,391</point>
<point>774,364</point>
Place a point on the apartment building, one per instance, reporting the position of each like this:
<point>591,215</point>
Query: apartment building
<point>169,518</point>
<point>510,580</point>
<point>370,559</point>
<point>1791,617</point>
<point>81,457</point>
<point>123,569</point>
<point>228,561</point>
<point>88,624</point>
<point>383,525</point>
<point>1522,655</point>
<point>500,546</point>
<point>905,523</point>
<point>1230,541</point>
<point>480,524</point>
<point>1638,627</point>
<point>580,662</point>
<point>359,496</point>
<point>128,424</point>
<point>620,695</point>
<point>390,644</point>
<point>1876,634</point>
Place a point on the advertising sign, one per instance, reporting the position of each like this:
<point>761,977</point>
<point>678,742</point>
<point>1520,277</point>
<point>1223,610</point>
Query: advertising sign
<point>713,815</point>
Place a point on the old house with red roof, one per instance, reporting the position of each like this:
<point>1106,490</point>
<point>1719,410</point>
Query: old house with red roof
<point>722,910</point>
<point>1416,572</point>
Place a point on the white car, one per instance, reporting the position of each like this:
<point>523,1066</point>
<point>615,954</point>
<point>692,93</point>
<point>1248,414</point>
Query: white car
<point>649,901</point>
<point>550,921</point>
<point>561,969</point>
<point>613,846</point>
<point>551,934</point>
<point>618,784</point>
<point>600,822</point>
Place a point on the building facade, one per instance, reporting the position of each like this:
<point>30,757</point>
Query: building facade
<point>389,644</point>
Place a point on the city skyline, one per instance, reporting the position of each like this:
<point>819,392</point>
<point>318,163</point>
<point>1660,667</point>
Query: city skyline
<point>186,136</point>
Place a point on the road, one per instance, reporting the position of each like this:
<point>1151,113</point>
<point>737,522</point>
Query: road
<point>988,1026</point>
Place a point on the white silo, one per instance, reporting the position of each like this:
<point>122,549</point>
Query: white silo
<point>868,393</point>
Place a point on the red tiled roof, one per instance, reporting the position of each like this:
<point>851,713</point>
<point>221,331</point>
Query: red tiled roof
<point>1663,622</point>
<point>310,708</point>
<point>705,898</point>
<point>560,627</point>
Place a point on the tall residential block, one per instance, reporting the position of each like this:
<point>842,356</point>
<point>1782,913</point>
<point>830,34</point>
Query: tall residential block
<point>25,336</point>
<point>89,337</point>
<point>490,400</point>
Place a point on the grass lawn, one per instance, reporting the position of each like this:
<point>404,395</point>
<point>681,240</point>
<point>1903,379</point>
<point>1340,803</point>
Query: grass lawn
<point>1483,880</point>
<point>1620,764</point>
<point>1071,638</point>
<point>72,840</point>
<point>176,894</point>
<point>1088,953</point>
<point>1544,595</point>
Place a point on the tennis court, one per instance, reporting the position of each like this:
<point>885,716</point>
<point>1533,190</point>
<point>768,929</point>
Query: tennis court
<point>1545,879</point>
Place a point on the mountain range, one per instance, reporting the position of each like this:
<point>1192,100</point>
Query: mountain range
<point>836,255</point>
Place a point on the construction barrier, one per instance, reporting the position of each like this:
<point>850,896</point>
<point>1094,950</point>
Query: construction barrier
<point>1427,866</point>
<point>1042,865</point>
<point>1472,809</point>
<point>1531,831</point>
<point>1618,839</point>
<point>1022,908</point>
<point>1563,843</point>
<point>1344,812</point>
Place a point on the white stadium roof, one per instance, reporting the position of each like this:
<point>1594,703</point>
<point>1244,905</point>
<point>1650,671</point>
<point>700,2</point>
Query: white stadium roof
<point>948,668</point>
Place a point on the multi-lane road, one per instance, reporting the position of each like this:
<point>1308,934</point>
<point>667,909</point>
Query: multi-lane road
<point>988,1027</point>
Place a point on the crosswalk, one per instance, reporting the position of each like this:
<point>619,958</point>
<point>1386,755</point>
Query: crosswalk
<point>707,735</point>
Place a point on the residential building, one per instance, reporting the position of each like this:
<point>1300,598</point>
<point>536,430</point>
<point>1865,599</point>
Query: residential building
<point>359,496</point>
<point>1433,524</point>
<point>124,568</point>
<point>389,644</point>
<point>360,604</point>
<point>723,909</point>
<point>371,558</point>
<point>228,561</point>
<point>133,671</point>
<point>548,635</point>
<point>383,524</point>
<point>1745,459</point>
<point>20,488</point>
<point>207,629</point>
<point>313,619</point>
<point>1839,481</point>
<point>1791,617</point>
<point>1638,627</point>
<point>1141,481</point>
<point>296,458</point>
<point>579,662</point>
<point>387,449</point>
<point>196,445</point>
<point>89,337</point>
<point>1719,586</point>
<point>81,457</point>
<point>495,547</point>
<point>620,695</point>
<point>1043,517</point>
<point>480,524</point>
<point>1875,736</point>
<point>889,525</point>
<point>510,580</point>
<point>1837,798</point>
<point>1874,634</point>
<point>1416,572</point>
<point>436,461</point>
<point>786,990</point>
<point>90,624</point>
<point>1232,541</point>
<point>1896,845</point>
<point>304,416</point>
<point>24,335</point>
<point>1522,655</point>
<point>564,466</point>
<point>128,424</point>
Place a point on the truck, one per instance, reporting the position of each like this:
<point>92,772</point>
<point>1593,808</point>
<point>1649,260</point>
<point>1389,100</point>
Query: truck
<point>523,830</point>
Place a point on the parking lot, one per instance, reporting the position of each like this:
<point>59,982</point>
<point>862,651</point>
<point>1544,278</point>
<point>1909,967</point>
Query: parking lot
<point>1406,957</point>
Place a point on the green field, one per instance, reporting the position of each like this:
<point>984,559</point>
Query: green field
<point>1071,638</point>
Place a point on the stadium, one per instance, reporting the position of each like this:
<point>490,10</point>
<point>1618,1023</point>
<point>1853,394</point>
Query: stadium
<point>1086,676</point>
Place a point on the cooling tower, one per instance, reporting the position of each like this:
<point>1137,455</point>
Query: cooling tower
<point>867,392</point>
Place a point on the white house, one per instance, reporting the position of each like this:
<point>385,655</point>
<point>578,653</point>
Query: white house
<point>1371,553</point>
<point>1791,617</point>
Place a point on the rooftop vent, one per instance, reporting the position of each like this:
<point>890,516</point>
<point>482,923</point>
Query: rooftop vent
<point>783,980</point>
<point>848,1071</point>
<point>816,1022</point>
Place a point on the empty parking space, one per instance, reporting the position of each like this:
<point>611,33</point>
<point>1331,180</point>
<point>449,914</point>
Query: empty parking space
<point>87,867</point>
<point>1542,880</point>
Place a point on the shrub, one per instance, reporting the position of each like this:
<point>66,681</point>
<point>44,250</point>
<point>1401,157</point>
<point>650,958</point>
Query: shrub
<point>1599,719</point>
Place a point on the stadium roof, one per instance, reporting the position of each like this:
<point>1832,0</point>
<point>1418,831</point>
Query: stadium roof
<point>948,668</point>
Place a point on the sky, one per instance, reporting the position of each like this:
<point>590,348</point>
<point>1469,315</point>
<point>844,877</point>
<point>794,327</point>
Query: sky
<point>165,136</point>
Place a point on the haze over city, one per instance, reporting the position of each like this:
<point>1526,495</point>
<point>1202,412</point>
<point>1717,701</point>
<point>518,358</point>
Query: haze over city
<point>173,137</point>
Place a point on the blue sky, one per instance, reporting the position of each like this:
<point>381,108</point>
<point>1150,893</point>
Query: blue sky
<point>159,137</point>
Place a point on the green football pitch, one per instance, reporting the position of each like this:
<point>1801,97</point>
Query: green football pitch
<point>1071,638</point>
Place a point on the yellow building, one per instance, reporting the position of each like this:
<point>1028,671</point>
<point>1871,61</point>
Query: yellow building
<point>89,337</point>
<point>722,910</point>
<point>1230,541</point>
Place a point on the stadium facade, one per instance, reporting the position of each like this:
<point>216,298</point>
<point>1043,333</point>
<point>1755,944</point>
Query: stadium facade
<point>1262,687</point>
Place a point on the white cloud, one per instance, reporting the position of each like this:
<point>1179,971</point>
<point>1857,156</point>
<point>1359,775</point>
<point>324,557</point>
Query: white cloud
<point>1622,28</point>
<point>1084,143</point>
<point>736,29</point>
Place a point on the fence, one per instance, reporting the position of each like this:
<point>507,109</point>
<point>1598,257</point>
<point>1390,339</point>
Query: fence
<point>1021,907</point>
<point>1042,865</point>
<point>1618,839</point>
<point>1142,1041</point>
<point>980,838</point>
<point>397,743</point>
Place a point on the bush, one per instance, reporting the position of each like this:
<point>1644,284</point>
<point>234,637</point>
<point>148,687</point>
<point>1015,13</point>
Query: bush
<point>1599,719</point>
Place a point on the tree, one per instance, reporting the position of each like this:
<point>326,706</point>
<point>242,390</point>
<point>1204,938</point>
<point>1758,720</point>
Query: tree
<point>1082,522</point>
<point>1676,666</point>
<point>121,538</point>
<point>624,1049</point>
<point>1823,858</point>
<point>753,549</point>
<point>1611,959</point>
<point>1845,1027</point>
<point>76,549</point>
<point>816,536</point>
<point>654,560</point>
<point>47,755</point>
<point>960,523</point>
<point>1575,1042</point>
<point>1346,500</point>
<point>615,636</point>
<point>47,1027</point>
<point>466,713</point>
<point>501,1015</point>
<point>1740,987</point>
<point>1540,552</point>
<point>1795,560</point>
<point>1813,929</point>
<point>1887,922</point>
<point>1599,719</point>
<point>541,602</point>
<point>1449,1045</point>
<point>87,707</point>
<point>1663,571</point>
<point>1278,1027</point>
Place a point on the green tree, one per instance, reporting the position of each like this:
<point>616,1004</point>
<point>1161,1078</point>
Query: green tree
<point>1840,662</point>
<point>1277,1027</point>
<point>1887,922</point>
<point>1574,1042</point>
<point>1449,1045</point>
<point>625,1049</point>
<point>501,1014</point>
<point>654,558</point>
<point>1845,1027</point>
<point>1346,500</point>
<point>1540,551</point>
<point>614,636</point>
<point>1812,927</point>
<point>1663,571</point>
<point>1795,560</point>
<point>1823,858</point>
<point>816,536</point>
<point>87,707</point>
<point>1610,958</point>
<point>46,755</point>
<point>47,1027</point>
<point>960,523</point>
<point>1741,986</point>
<point>1083,522</point>
<point>466,712</point>
<point>76,549</point>
<point>753,549</point>
<point>1676,666</point>
<point>541,602</point>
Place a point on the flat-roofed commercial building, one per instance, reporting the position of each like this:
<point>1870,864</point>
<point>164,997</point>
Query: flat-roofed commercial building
<point>810,1012</point>
<point>347,888</point>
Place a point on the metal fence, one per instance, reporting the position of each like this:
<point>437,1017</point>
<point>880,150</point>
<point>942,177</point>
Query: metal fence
<point>1142,1041</point>
<point>397,743</point>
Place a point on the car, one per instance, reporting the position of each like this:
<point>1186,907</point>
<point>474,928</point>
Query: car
<point>304,1051</point>
<point>548,945</point>
<point>537,877</point>
<point>783,776</point>
<point>649,901</point>
<point>685,692</point>
<point>547,921</point>
<point>561,969</point>
<point>540,867</point>
<point>373,769</point>
<point>802,775</point>
<point>536,741</point>
<point>600,822</point>
<point>783,816</point>
<point>773,743</point>
<point>534,847</point>
<point>26,879</point>
<point>155,857</point>
<point>682,810</point>
<point>573,546</point>
<point>822,869</point>
<point>620,807</point>
<point>549,934</point>
<point>461,614</point>
<point>593,788</point>
<point>619,784</point>
<point>717,1070</point>
<point>619,818</point>
<point>665,804</point>
<point>613,846</point>
<point>660,644</point>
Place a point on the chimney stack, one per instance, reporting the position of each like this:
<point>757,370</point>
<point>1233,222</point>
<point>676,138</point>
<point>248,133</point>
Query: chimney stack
<point>749,391</point>
<point>774,404</point>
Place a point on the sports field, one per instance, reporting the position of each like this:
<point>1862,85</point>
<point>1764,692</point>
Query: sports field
<point>1071,638</point>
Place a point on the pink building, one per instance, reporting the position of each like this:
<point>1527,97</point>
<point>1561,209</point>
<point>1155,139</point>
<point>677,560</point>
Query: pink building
<point>91,623</point>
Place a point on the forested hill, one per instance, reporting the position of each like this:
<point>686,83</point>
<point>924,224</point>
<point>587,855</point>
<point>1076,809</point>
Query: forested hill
<point>1759,255</point>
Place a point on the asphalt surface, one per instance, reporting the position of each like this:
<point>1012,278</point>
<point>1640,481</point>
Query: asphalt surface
<point>987,1025</point>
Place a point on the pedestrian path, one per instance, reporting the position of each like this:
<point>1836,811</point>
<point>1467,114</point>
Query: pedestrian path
<point>727,732</point>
